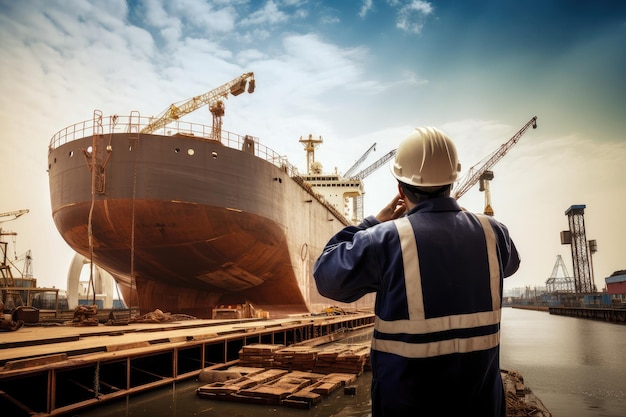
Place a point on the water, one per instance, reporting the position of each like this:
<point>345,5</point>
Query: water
<point>575,366</point>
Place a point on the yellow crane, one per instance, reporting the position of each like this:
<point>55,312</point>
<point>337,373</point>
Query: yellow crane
<point>483,174</point>
<point>212,98</point>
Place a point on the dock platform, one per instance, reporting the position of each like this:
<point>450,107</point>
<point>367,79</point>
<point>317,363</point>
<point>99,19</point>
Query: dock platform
<point>56,370</point>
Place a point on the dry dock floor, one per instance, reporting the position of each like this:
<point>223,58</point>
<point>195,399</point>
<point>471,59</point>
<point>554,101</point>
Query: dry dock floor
<point>55,370</point>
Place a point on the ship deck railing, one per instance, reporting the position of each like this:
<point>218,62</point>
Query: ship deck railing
<point>134,124</point>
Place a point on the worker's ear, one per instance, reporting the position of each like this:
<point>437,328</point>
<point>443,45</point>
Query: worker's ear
<point>401,191</point>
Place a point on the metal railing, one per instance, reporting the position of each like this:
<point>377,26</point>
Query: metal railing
<point>133,124</point>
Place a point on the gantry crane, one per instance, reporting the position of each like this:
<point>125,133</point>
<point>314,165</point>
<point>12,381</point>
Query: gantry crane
<point>213,98</point>
<point>560,284</point>
<point>483,174</point>
<point>7,282</point>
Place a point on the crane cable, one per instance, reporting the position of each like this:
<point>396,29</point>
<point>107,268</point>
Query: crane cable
<point>97,122</point>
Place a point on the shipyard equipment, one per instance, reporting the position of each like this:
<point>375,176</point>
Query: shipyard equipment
<point>564,283</point>
<point>358,163</point>
<point>483,173</point>
<point>7,283</point>
<point>581,249</point>
<point>212,98</point>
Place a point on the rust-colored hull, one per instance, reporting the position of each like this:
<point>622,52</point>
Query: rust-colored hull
<point>185,231</point>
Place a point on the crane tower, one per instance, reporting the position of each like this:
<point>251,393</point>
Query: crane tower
<point>581,249</point>
<point>483,173</point>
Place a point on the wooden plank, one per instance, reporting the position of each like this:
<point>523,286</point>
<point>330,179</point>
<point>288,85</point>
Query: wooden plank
<point>39,361</point>
<point>276,390</point>
<point>124,346</point>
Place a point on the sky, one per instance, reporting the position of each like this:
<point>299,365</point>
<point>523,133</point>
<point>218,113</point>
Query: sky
<point>355,73</point>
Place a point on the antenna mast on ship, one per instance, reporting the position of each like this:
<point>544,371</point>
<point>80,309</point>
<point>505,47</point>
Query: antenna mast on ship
<point>309,146</point>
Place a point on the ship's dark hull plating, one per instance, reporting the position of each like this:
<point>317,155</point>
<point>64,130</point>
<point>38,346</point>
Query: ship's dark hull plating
<point>195,223</point>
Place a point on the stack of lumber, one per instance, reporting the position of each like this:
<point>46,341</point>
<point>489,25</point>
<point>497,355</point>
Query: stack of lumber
<point>296,376</point>
<point>258,355</point>
<point>294,389</point>
<point>352,358</point>
<point>296,358</point>
<point>345,358</point>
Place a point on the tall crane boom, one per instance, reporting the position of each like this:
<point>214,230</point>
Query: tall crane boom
<point>359,162</point>
<point>474,176</point>
<point>365,172</point>
<point>15,214</point>
<point>174,112</point>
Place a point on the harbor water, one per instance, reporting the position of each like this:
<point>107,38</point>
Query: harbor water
<point>575,366</point>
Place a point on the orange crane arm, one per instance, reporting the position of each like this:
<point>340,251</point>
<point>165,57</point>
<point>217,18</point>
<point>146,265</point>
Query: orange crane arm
<point>473,176</point>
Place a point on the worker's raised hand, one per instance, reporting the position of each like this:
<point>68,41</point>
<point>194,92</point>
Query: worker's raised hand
<point>393,210</point>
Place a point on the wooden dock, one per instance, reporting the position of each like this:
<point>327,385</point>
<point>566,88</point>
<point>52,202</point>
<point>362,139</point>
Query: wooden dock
<point>56,370</point>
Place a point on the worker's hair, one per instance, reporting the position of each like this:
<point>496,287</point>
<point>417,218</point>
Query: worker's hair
<point>418,194</point>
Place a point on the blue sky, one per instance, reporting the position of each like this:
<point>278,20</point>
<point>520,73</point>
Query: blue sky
<point>354,72</point>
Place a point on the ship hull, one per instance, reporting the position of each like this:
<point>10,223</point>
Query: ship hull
<point>185,224</point>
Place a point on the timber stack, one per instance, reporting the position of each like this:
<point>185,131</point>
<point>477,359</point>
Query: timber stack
<point>302,376</point>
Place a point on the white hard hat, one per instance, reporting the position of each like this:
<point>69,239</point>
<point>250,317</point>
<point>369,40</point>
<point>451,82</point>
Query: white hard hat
<point>426,157</point>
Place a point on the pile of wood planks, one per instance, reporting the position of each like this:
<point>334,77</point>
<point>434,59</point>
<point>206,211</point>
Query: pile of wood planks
<point>295,376</point>
<point>300,358</point>
<point>348,358</point>
<point>295,389</point>
<point>258,355</point>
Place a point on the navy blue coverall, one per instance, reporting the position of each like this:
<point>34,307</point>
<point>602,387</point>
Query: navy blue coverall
<point>437,273</point>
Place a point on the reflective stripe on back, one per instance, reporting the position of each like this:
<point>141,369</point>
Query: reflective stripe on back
<point>417,323</point>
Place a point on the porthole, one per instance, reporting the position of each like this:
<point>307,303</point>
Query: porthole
<point>214,155</point>
<point>190,152</point>
<point>177,150</point>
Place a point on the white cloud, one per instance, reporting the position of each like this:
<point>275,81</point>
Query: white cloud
<point>411,16</point>
<point>269,14</point>
<point>366,6</point>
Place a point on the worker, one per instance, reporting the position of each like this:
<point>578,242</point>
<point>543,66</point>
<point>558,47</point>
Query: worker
<point>437,271</point>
